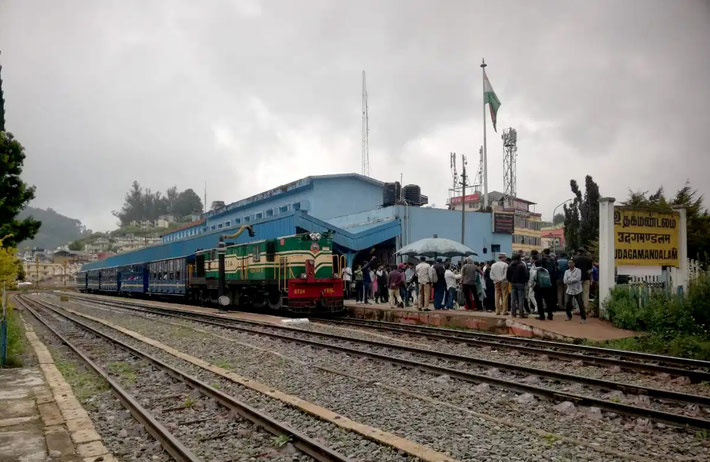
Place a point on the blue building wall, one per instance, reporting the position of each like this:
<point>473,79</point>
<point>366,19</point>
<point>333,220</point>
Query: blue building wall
<point>323,197</point>
<point>419,223</point>
<point>332,197</point>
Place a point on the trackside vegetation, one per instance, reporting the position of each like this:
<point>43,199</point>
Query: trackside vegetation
<point>677,325</point>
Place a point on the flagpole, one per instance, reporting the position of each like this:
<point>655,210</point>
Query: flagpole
<point>485,148</point>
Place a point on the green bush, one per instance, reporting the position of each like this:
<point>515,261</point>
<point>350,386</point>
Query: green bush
<point>679,324</point>
<point>661,312</point>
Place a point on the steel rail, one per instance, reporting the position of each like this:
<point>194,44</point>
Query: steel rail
<point>688,362</point>
<point>694,375</point>
<point>166,439</point>
<point>626,409</point>
<point>302,442</point>
<point>600,383</point>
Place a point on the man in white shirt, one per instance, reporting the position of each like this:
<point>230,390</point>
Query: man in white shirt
<point>573,280</point>
<point>451,279</point>
<point>422,270</point>
<point>347,275</point>
<point>498,276</point>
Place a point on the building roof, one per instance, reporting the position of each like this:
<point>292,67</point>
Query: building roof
<point>493,196</point>
<point>287,189</point>
<point>187,225</point>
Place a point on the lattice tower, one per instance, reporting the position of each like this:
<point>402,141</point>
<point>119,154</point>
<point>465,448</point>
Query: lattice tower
<point>510,154</point>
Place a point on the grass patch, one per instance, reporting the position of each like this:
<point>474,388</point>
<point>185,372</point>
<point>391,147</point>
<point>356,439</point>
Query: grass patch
<point>84,384</point>
<point>281,440</point>
<point>551,438</point>
<point>124,370</point>
<point>189,402</point>
<point>15,338</point>
<point>224,364</point>
<point>682,345</point>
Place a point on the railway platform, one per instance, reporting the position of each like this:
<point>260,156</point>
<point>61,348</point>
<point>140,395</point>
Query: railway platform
<point>558,329</point>
<point>40,418</point>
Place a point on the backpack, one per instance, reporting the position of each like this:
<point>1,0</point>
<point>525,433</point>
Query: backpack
<point>543,278</point>
<point>549,264</point>
<point>433,277</point>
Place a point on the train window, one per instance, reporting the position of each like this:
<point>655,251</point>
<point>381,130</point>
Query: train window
<point>270,249</point>
<point>257,253</point>
<point>177,275</point>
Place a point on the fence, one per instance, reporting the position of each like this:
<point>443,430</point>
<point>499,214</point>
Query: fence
<point>644,286</point>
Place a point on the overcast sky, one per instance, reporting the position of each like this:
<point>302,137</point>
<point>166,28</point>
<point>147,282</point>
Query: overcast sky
<point>247,95</point>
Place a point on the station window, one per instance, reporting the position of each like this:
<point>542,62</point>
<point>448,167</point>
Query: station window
<point>296,206</point>
<point>237,221</point>
<point>247,219</point>
<point>228,224</point>
<point>283,209</point>
<point>213,227</point>
<point>270,213</point>
<point>219,225</point>
<point>495,248</point>
<point>258,216</point>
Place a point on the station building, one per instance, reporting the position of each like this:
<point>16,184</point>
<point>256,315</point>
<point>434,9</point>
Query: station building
<point>354,208</point>
<point>527,224</point>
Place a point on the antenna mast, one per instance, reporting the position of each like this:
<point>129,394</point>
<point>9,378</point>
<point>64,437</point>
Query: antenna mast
<point>365,130</point>
<point>510,155</point>
<point>478,179</point>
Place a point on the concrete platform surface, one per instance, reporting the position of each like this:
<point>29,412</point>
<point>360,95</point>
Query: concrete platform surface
<point>557,329</point>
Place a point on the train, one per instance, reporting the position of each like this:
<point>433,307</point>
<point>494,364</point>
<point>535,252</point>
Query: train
<point>286,274</point>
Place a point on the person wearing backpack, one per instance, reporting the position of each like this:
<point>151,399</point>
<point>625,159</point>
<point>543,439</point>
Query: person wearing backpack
<point>542,290</point>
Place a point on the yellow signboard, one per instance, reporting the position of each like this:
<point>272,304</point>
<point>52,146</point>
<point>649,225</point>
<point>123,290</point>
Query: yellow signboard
<point>644,238</point>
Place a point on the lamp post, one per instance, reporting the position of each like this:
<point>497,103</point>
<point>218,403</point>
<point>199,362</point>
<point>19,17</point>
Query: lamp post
<point>557,207</point>
<point>554,244</point>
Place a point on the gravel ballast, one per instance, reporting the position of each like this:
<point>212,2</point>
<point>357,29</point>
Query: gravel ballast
<point>441,428</point>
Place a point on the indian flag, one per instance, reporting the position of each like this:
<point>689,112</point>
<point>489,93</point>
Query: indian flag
<point>489,96</point>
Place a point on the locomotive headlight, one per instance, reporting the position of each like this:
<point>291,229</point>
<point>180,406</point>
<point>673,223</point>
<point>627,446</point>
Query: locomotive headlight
<point>303,276</point>
<point>315,236</point>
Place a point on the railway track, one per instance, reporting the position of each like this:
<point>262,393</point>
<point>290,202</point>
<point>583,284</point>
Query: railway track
<point>666,404</point>
<point>216,410</point>
<point>696,370</point>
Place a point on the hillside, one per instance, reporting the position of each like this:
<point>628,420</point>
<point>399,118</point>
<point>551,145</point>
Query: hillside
<point>56,229</point>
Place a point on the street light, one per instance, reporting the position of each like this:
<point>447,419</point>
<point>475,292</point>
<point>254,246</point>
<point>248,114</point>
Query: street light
<point>554,245</point>
<point>557,207</point>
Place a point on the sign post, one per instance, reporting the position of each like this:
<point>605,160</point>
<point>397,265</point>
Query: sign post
<point>607,275</point>
<point>3,329</point>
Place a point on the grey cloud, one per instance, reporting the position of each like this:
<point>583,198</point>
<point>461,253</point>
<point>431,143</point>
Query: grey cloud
<point>247,95</point>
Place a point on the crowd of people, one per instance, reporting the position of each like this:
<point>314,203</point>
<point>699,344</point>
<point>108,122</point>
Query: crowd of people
<point>520,285</point>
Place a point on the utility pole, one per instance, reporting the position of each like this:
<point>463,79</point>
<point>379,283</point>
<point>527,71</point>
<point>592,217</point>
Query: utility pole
<point>463,200</point>
<point>365,130</point>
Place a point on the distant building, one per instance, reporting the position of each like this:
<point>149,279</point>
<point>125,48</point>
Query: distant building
<point>526,223</point>
<point>553,238</point>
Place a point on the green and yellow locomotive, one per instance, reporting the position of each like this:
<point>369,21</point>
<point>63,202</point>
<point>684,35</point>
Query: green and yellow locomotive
<point>293,273</point>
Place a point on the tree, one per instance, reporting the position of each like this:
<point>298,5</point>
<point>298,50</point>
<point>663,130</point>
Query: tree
<point>133,205</point>
<point>76,245</point>
<point>558,219</point>
<point>187,203</point>
<point>2,105</point>
<point>14,193</point>
<point>171,196</point>
<point>582,216</point>
<point>697,216</point>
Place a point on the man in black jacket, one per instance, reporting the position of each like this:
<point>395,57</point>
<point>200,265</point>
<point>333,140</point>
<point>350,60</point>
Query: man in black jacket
<point>518,276</point>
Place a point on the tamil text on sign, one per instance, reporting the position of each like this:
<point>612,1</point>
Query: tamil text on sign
<point>644,238</point>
